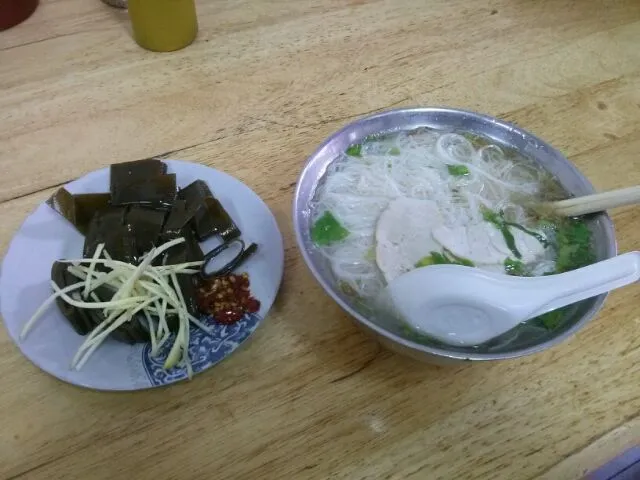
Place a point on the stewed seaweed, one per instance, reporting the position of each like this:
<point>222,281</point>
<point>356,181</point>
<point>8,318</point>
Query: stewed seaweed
<point>178,218</point>
<point>144,182</point>
<point>142,210</point>
<point>125,173</point>
<point>79,318</point>
<point>83,320</point>
<point>79,209</point>
<point>209,216</point>
<point>144,225</point>
<point>108,227</point>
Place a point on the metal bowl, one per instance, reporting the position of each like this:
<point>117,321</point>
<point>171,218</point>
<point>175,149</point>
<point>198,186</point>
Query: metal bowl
<point>447,119</point>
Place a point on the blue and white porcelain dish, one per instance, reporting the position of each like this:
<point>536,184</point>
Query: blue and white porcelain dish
<point>46,237</point>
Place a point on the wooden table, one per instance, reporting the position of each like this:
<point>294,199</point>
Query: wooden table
<point>311,397</point>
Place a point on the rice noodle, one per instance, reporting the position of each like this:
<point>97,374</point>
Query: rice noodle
<point>415,164</point>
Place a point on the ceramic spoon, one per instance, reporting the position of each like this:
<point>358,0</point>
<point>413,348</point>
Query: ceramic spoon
<point>467,306</point>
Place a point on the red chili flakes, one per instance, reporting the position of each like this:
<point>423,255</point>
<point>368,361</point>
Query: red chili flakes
<point>227,298</point>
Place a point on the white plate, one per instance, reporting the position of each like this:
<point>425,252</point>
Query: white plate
<point>46,237</point>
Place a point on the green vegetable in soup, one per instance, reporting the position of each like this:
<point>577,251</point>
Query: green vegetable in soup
<point>370,254</point>
<point>395,151</point>
<point>476,140</point>
<point>546,224</point>
<point>573,245</point>
<point>492,217</point>
<point>515,267</point>
<point>429,260</point>
<point>354,150</point>
<point>328,230</point>
<point>501,224</point>
<point>552,319</point>
<point>453,258</point>
<point>458,170</point>
<point>541,238</point>
<point>549,320</point>
<point>573,250</point>
<point>445,258</point>
<point>510,241</point>
<point>347,289</point>
<point>419,337</point>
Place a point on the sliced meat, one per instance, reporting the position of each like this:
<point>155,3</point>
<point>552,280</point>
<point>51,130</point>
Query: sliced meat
<point>403,235</point>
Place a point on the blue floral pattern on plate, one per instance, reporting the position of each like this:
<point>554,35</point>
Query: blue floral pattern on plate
<point>205,349</point>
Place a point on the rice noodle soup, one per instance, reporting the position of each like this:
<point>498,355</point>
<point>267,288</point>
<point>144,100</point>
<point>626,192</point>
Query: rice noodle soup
<point>407,199</point>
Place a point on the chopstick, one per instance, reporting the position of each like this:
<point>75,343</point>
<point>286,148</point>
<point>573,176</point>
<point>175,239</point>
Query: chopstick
<point>574,207</point>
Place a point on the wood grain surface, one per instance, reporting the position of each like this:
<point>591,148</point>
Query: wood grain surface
<point>310,397</point>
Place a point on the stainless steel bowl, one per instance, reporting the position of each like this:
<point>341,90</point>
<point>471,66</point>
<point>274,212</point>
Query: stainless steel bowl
<point>446,119</point>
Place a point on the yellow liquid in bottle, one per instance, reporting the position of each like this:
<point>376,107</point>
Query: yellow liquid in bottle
<point>163,25</point>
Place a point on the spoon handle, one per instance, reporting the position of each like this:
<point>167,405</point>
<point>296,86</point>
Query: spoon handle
<point>590,281</point>
<point>574,207</point>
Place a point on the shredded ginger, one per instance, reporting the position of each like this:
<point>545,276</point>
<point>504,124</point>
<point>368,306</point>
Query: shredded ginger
<point>144,288</point>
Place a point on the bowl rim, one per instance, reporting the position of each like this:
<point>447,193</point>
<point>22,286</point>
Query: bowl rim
<point>415,347</point>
